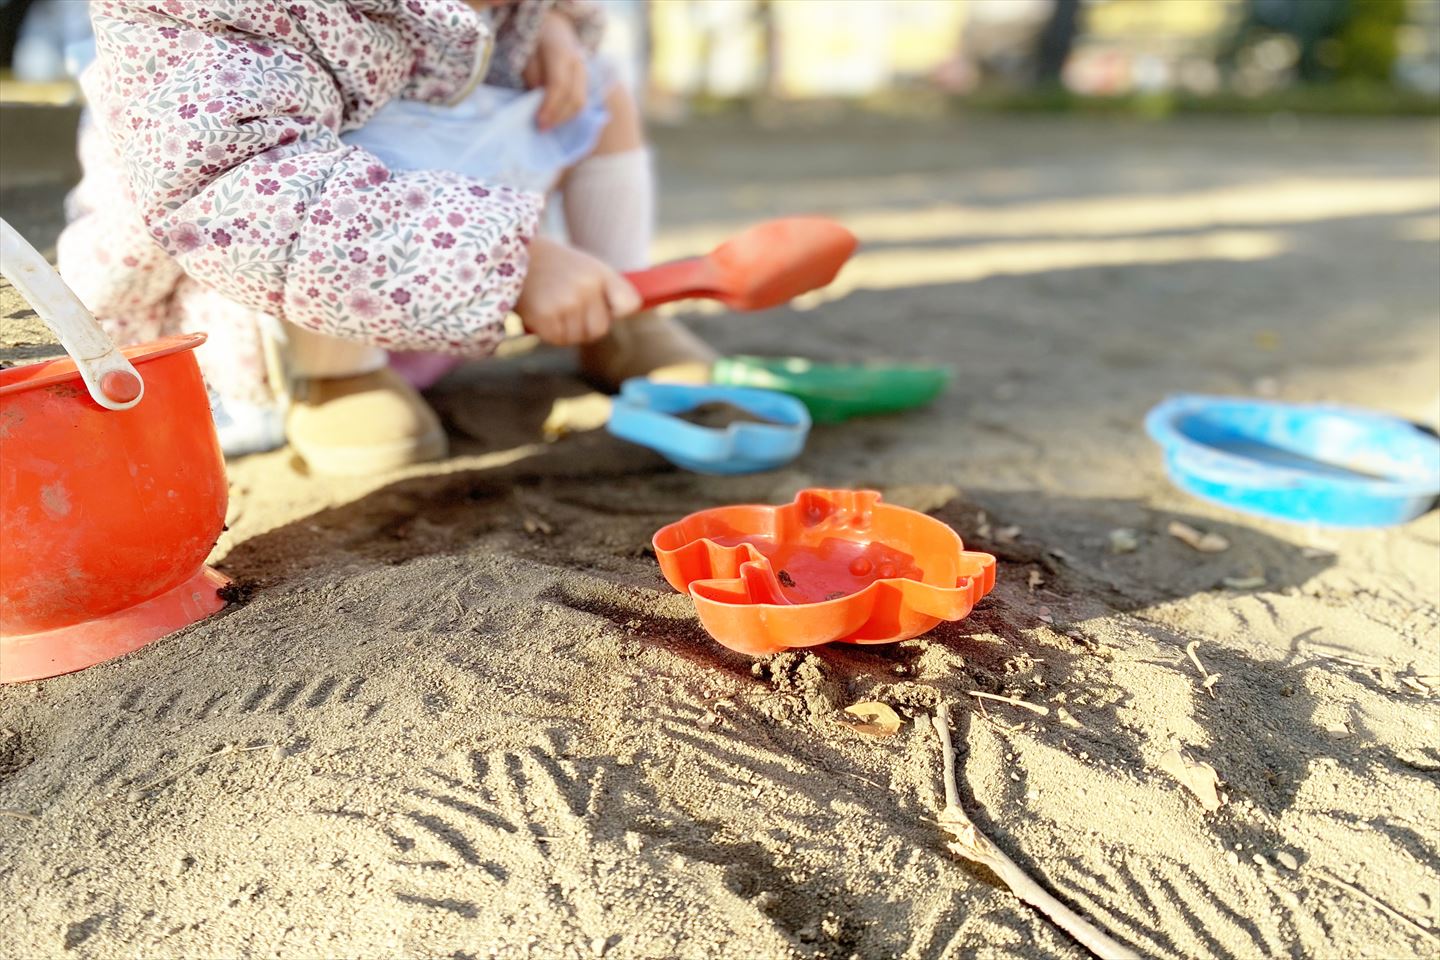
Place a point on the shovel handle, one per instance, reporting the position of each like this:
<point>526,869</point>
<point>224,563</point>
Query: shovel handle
<point>676,280</point>
<point>112,381</point>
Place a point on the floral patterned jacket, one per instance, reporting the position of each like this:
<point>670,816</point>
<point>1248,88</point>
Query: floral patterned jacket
<point>216,156</point>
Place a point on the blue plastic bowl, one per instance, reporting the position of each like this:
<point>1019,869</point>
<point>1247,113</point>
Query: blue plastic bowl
<point>1308,464</point>
<point>648,413</point>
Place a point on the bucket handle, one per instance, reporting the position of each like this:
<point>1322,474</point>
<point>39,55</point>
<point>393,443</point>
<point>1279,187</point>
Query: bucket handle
<point>112,381</point>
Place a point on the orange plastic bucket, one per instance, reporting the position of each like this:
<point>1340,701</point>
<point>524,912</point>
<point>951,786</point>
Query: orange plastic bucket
<point>107,515</point>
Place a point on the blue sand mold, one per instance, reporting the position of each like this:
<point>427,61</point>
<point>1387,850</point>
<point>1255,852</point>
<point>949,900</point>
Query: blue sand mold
<point>1335,466</point>
<point>647,414</point>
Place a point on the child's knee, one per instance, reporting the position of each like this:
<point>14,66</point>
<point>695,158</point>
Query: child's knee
<point>625,130</point>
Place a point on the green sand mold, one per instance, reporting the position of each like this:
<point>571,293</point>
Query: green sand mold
<point>835,392</point>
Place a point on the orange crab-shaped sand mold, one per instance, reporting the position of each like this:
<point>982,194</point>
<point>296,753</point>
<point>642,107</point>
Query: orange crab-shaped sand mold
<point>832,565</point>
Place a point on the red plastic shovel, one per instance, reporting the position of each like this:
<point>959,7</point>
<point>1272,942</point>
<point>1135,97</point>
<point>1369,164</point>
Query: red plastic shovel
<point>769,264</point>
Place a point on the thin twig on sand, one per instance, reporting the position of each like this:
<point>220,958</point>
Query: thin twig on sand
<point>1190,651</point>
<point>1348,661</point>
<point>224,751</point>
<point>1208,677</point>
<point>1032,707</point>
<point>1378,904</point>
<point>971,844</point>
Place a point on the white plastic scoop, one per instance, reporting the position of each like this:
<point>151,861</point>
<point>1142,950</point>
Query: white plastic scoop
<point>110,378</point>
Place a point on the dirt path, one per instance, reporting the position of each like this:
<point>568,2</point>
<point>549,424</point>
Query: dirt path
<point>468,734</point>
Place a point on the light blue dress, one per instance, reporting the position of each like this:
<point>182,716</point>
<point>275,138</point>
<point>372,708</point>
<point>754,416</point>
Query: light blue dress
<point>490,135</point>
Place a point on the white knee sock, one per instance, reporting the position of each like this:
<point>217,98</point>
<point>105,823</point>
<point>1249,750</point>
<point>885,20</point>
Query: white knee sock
<point>609,204</point>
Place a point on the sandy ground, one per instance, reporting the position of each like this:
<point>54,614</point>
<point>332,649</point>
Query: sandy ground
<point>477,723</point>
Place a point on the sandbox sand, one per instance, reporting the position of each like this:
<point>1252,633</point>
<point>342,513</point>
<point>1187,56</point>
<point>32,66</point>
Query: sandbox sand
<point>469,719</point>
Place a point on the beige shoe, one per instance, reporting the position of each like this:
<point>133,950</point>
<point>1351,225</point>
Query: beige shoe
<point>369,423</point>
<point>647,345</point>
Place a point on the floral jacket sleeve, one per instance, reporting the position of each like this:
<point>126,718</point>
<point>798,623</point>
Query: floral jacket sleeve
<point>227,122</point>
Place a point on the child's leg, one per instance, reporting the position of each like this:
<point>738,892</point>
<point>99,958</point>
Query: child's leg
<point>349,413</point>
<point>609,197</point>
<point>309,355</point>
<point>609,203</point>
<point>362,424</point>
<point>233,355</point>
<point>248,418</point>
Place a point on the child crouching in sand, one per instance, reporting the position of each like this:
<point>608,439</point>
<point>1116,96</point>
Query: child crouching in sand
<point>325,181</point>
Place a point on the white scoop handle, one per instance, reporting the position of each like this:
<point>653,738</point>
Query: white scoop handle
<point>110,378</point>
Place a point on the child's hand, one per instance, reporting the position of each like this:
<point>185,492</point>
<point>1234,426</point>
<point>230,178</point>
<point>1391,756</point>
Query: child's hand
<point>569,297</point>
<point>559,66</point>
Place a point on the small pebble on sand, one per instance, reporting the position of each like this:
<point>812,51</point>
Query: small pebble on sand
<point>1199,540</point>
<point>1287,860</point>
<point>1123,540</point>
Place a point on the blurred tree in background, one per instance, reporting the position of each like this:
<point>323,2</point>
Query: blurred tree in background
<point>1057,39</point>
<point>1368,40</point>
<point>1336,39</point>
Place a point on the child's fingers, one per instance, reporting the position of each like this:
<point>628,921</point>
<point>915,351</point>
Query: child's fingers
<point>597,321</point>
<point>560,331</point>
<point>576,324</point>
<point>621,296</point>
<point>559,326</point>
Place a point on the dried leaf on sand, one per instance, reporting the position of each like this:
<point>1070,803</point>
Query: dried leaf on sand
<point>1199,777</point>
<point>874,719</point>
